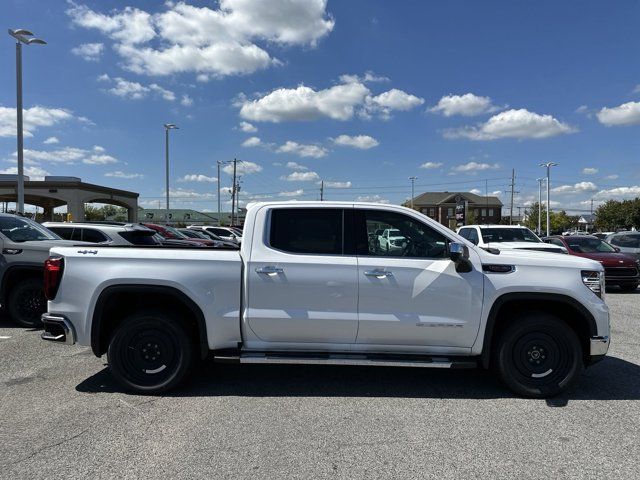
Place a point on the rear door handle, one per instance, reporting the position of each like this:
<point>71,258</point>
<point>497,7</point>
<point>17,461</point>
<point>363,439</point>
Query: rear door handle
<point>378,273</point>
<point>270,270</point>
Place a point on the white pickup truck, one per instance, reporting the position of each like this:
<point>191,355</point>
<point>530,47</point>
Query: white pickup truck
<point>307,287</point>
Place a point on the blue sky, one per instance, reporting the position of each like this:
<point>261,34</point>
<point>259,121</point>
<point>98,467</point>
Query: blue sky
<point>361,94</point>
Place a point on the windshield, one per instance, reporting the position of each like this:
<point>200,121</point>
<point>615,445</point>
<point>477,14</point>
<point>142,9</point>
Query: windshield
<point>395,233</point>
<point>174,231</point>
<point>497,235</point>
<point>589,245</point>
<point>629,240</point>
<point>22,230</point>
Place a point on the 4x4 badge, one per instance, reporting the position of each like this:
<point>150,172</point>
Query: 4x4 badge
<point>92,252</point>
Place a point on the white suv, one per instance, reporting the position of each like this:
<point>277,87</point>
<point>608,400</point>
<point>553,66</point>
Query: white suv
<point>391,240</point>
<point>506,237</point>
<point>107,233</point>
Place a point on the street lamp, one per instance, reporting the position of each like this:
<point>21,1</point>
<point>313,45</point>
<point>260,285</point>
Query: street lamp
<point>548,166</point>
<point>167,127</point>
<point>540,180</point>
<point>22,36</point>
<point>413,183</point>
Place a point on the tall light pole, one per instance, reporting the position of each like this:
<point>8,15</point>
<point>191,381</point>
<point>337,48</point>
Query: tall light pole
<point>167,127</point>
<point>22,36</point>
<point>219,162</point>
<point>413,184</point>
<point>548,166</point>
<point>540,180</point>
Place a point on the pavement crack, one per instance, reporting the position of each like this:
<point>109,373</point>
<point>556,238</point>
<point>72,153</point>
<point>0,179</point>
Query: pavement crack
<point>47,447</point>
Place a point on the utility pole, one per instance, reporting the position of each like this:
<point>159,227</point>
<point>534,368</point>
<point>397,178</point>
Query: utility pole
<point>548,166</point>
<point>167,127</point>
<point>413,184</point>
<point>322,190</point>
<point>233,192</point>
<point>540,180</point>
<point>513,182</point>
<point>218,162</point>
<point>21,35</point>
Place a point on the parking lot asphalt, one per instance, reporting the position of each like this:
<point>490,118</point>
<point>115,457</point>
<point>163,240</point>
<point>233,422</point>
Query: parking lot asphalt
<point>62,416</point>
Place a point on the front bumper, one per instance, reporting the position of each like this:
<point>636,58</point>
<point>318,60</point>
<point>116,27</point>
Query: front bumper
<point>599,346</point>
<point>58,329</point>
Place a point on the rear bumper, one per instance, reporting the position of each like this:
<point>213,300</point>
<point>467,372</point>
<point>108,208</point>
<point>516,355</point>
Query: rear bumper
<point>58,329</point>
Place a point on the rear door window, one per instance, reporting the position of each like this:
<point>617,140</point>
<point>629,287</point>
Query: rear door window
<point>316,231</point>
<point>92,235</point>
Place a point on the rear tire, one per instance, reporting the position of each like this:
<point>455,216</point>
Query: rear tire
<point>629,288</point>
<point>150,352</point>
<point>27,303</point>
<point>538,356</point>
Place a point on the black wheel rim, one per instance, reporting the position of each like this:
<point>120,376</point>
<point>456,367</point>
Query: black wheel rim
<point>541,359</point>
<point>149,356</point>
<point>30,305</point>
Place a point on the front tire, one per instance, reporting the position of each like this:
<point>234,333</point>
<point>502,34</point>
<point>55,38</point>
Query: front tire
<point>538,356</point>
<point>150,352</point>
<point>27,303</point>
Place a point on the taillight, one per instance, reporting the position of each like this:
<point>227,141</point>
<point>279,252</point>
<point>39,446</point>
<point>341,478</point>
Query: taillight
<point>53,267</point>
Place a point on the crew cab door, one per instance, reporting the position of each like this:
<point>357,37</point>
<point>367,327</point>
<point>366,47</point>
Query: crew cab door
<point>301,287</point>
<point>413,296</point>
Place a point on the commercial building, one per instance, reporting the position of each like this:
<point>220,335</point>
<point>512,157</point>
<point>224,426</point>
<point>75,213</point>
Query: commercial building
<point>441,207</point>
<point>188,217</point>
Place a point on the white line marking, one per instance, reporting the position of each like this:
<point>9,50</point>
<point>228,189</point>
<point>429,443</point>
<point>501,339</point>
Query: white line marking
<point>3,337</point>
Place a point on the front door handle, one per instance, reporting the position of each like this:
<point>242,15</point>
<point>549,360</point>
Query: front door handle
<point>270,270</point>
<point>379,273</point>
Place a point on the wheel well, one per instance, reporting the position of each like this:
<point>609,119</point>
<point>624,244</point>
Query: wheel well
<point>117,303</point>
<point>16,275</point>
<point>566,309</point>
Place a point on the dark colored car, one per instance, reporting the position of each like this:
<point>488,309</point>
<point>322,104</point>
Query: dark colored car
<point>178,238</point>
<point>620,269</point>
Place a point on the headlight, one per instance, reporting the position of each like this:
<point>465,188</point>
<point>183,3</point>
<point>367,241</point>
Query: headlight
<point>594,281</point>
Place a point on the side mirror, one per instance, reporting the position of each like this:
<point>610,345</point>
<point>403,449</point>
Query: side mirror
<point>617,249</point>
<point>459,254</point>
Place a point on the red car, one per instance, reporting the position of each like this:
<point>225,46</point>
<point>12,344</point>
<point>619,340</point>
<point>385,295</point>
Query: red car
<point>620,269</point>
<point>172,234</point>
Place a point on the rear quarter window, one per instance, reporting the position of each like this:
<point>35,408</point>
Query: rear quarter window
<point>307,230</point>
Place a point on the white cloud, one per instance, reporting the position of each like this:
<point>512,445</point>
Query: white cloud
<point>393,99</point>
<point>181,193</point>
<point>625,114</point>
<point>340,102</point>
<point>243,168</point>
<point>589,171</point>
<point>636,89</point>
<point>582,109</point>
<point>363,142</point>
<point>618,193</point>
<point>367,77</point>
<point>466,105</point>
<point>497,193</point>
<point>34,118</point>
<point>431,165</point>
<point>207,41</point>
<point>99,160</point>
<point>89,51</point>
<point>579,187</point>
<point>186,101</point>
<point>294,193</point>
<point>98,148</point>
<point>252,142</point>
<point>513,124</point>
<point>475,167</point>
<point>302,150</point>
<point>134,90</point>
<point>33,172</point>
<point>197,177</point>
<point>247,127</point>
<point>372,199</point>
<point>296,166</point>
<point>611,177</point>
<point>51,141</point>
<point>121,174</point>
<point>301,177</point>
<point>68,155</point>
<point>476,191</point>
<point>328,184</point>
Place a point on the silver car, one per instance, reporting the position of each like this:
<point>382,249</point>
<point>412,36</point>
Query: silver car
<point>626,242</point>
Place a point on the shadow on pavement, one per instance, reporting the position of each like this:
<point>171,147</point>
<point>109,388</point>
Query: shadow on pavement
<point>611,379</point>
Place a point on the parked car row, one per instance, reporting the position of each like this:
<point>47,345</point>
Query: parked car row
<point>506,237</point>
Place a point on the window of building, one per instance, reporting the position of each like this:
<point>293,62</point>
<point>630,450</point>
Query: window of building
<point>307,230</point>
<point>484,212</point>
<point>491,212</point>
<point>406,237</point>
<point>450,212</point>
<point>432,212</point>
